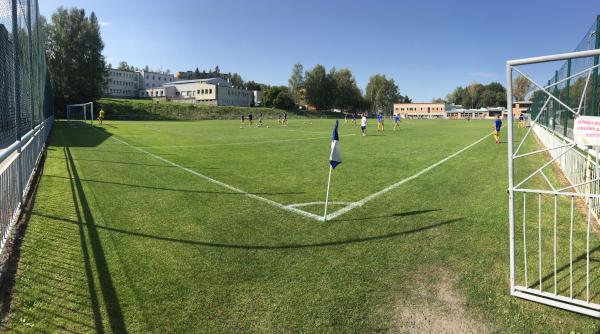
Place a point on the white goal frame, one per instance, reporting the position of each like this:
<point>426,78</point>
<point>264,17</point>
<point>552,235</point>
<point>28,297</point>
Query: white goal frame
<point>561,150</point>
<point>88,113</point>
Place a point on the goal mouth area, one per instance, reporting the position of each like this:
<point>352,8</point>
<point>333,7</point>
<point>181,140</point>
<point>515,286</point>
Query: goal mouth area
<point>80,114</point>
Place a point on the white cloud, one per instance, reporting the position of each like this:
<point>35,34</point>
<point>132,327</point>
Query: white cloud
<point>105,24</point>
<point>483,74</point>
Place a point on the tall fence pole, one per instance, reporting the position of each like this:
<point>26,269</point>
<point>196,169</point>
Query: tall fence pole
<point>568,89</point>
<point>30,67</point>
<point>17,100</point>
<point>593,102</point>
<point>555,106</point>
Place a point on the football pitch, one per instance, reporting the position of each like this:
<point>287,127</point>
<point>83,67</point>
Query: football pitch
<point>145,226</point>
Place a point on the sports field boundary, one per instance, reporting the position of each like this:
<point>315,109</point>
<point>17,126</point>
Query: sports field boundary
<point>293,207</point>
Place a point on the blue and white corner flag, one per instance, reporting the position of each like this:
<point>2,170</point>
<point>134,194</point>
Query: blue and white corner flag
<point>335,158</point>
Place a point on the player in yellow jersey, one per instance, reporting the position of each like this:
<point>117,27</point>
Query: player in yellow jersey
<point>101,115</point>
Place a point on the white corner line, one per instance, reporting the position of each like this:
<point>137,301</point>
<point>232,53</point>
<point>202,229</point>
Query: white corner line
<point>298,205</point>
<point>293,207</point>
<point>371,197</point>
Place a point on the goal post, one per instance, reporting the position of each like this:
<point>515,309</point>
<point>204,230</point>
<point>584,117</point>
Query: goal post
<point>80,114</point>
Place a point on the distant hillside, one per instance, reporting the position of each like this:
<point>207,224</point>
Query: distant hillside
<point>136,109</point>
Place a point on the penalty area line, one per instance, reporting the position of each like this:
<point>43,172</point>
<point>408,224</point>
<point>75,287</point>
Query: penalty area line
<point>371,197</point>
<point>217,182</point>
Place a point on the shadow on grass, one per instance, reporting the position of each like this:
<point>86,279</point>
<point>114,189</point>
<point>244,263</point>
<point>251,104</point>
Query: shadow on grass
<point>564,271</point>
<point>78,137</point>
<point>399,214</point>
<point>179,190</point>
<point>118,162</point>
<point>109,295</point>
<point>264,247</point>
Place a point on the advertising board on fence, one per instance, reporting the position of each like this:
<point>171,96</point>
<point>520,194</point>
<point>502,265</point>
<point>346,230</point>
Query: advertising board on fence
<point>586,130</point>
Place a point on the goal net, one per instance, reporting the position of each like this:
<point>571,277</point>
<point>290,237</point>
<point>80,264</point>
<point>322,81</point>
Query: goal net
<point>79,115</point>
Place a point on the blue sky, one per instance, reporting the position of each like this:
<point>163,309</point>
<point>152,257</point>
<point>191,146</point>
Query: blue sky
<point>428,47</point>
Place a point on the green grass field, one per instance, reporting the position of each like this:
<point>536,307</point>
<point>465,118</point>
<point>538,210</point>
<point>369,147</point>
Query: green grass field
<point>128,233</point>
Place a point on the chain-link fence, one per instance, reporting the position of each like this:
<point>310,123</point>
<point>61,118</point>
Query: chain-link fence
<point>25,105</point>
<point>573,85</point>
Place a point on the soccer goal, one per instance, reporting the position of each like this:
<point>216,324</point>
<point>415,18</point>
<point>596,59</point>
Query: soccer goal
<point>79,115</point>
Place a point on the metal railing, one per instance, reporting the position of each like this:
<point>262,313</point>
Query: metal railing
<point>18,164</point>
<point>25,106</point>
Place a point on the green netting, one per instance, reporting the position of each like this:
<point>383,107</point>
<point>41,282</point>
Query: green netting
<point>571,91</point>
<point>25,90</point>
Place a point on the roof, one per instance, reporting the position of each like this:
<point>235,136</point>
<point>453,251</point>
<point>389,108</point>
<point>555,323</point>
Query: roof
<point>212,81</point>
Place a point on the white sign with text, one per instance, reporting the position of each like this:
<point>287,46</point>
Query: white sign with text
<point>586,130</point>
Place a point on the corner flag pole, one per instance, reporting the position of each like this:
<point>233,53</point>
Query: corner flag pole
<point>334,160</point>
<point>327,195</point>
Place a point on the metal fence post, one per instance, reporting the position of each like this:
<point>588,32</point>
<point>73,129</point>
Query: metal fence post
<point>31,92</point>
<point>595,73</point>
<point>566,99</point>
<point>17,99</point>
<point>555,105</point>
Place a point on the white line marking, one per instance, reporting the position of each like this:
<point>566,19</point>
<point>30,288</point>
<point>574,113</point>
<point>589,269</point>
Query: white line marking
<point>224,185</point>
<point>297,205</point>
<point>292,207</point>
<point>245,143</point>
<point>371,197</point>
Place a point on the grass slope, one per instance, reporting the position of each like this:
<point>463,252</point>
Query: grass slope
<point>121,241</point>
<point>145,109</point>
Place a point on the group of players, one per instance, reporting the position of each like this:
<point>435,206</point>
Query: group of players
<point>281,119</point>
<point>498,126</point>
<point>364,122</point>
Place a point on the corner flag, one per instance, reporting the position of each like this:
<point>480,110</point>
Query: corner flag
<point>335,158</point>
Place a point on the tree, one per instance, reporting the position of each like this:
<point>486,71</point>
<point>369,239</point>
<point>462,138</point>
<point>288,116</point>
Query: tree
<point>296,83</point>
<point>123,66</point>
<point>196,74</point>
<point>318,86</point>
<point>474,90</point>
<point>283,100</point>
<point>382,93</point>
<point>251,85</point>
<point>74,53</point>
<point>236,80</point>
<point>277,96</point>
<point>438,100</point>
<point>520,87</point>
<point>346,94</point>
<point>146,68</point>
<point>477,95</point>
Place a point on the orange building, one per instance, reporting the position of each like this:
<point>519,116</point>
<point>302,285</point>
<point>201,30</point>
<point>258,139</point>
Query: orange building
<point>420,110</point>
<point>521,107</point>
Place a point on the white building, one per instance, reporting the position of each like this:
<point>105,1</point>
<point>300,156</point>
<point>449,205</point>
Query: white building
<point>153,79</point>
<point>122,84</point>
<point>257,97</point>
<point>213,91</point>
